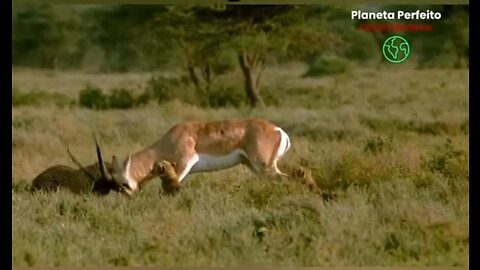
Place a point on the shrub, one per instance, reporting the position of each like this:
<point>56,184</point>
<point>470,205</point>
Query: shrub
<point>223,96</point>
<point>166,89</point>
<point>143,98</point>
<point>326,65</point>
<point>93,98</point>
<point>121,99</point>
<point>361,46</point>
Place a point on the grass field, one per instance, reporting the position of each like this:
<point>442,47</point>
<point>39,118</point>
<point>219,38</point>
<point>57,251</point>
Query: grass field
<point>392,146</point>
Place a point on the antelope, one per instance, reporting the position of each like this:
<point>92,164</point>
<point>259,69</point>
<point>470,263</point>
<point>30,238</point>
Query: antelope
<point>198,146</point>
<point>89,178</point>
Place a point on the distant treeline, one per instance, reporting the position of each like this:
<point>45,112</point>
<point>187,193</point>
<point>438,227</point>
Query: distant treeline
<point>125,38</point>
<point>210,40</point>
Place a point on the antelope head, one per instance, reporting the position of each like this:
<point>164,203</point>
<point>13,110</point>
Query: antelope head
<point>119,173</point>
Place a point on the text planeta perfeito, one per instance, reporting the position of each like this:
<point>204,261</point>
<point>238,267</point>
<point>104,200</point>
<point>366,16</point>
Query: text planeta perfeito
<point>398,15</point>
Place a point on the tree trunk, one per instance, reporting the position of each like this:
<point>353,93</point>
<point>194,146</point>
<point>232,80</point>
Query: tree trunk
<point>190,66</point>
<point>55,62</point>
<point>251,74</point>
<point>193,76</point>
<point>207,76</point>
<point>460,61</point>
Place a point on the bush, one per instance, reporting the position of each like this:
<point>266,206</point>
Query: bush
<point>433,55</point>
<point>223,96</point>
<point>326,65</point>
<point>361,45</point>
<point>93,98</point>
<point>143,98</point>
<point>121,99</point>
<point>166,89</point>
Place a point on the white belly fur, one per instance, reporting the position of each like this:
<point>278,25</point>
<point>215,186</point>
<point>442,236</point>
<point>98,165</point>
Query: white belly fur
<point>208,163</point>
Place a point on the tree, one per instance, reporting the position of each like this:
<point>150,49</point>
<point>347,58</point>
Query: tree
<point>198,43</point>
<point>43,38</point>
<point>450,37</point>
<point>252,32</point>
<point>120,31</point>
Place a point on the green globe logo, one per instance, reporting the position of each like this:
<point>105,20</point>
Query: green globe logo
<point>396,49</point>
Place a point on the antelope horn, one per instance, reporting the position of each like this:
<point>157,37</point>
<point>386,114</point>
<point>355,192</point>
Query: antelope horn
<point>101,164</point>
<point>80,166</point>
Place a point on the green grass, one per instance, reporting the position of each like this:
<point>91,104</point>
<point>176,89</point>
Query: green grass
<point>391,146</point>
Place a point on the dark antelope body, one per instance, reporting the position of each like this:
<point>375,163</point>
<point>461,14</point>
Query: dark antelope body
<point>84,179</point>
